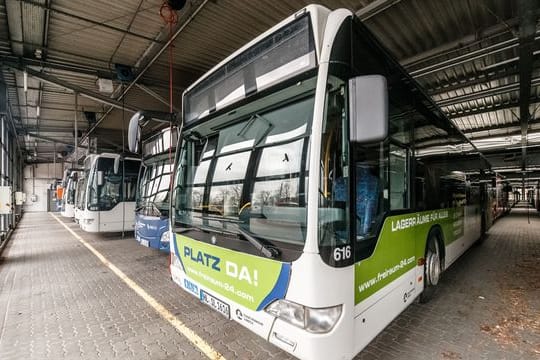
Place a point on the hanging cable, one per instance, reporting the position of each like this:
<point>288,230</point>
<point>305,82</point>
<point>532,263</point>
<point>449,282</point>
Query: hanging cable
<point>170,17</point>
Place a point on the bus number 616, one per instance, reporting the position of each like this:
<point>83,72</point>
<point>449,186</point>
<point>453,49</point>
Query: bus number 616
<point>342,253</point>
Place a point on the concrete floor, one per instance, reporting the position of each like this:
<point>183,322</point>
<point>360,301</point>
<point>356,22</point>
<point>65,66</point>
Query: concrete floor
<point>58,300</point>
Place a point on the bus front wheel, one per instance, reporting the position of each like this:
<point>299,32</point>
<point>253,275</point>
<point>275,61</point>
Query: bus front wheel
<point>432,268</point>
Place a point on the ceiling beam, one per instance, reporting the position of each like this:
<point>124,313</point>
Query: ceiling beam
<point>87,20</point>
<point>375,8</point>
<point>465,58</point>
<point>495,107</point>
<point>527,29</point>
<point>83,69</point>
<point>156,96</point>
<point>182,24</point>
<point>82,91</point>
<point>503,89</point>
<point>449,49</point>
<point>476,134</point>
<point>479,78</point>
<point>45,138</point>
<point>48,129</point>
<point>51,79</point>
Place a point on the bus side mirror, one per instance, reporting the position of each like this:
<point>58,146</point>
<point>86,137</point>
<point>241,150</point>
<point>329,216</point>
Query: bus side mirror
<point>368,108</point>
<point>116,165</point>
<point>139,120</point>
<point>134,131</point>
<point>100,178</point>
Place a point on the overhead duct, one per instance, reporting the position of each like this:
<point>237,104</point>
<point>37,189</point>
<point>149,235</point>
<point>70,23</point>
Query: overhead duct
<point>90,116</point>
<point>176,4</point>
<point>124,73</point>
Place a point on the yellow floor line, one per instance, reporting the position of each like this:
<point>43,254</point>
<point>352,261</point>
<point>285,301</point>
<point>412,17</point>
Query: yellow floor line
<point>195,339</point>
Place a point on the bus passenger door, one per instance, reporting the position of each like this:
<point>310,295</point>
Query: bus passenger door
<point>398,196</point>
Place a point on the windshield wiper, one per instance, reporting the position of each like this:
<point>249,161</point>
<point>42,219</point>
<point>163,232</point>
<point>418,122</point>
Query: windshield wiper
<point>219,218</point>
<point>250,123</point>
<point>204,229</point>
<point>145,205</point>
<point>269,252</point>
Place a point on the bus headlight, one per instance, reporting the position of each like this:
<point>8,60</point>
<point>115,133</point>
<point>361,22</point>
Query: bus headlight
<point>314,320</point>
<point>322,320</point>
<point>165,238</point>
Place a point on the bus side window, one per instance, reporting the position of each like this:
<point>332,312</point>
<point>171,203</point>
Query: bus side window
<point>399,177</point>
<point>420,187</point>
<point>367,200</point>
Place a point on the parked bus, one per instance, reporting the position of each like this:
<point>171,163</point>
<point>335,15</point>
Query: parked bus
<point>80,196</point>
<point>311,203</point>
<point>109,202</point>
<point>499,196</point>
<point>152,205</point>
<point>69,196</point>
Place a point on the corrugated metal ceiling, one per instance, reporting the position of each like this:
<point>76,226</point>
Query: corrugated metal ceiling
<point>465,53</point>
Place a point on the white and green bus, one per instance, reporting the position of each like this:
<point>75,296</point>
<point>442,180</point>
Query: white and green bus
<point>316,193</point>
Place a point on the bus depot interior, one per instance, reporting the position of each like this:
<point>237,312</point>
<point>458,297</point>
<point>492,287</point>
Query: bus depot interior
<point>352,179</point>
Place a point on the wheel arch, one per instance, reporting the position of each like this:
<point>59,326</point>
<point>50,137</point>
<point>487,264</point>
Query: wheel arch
<point>437,232</point>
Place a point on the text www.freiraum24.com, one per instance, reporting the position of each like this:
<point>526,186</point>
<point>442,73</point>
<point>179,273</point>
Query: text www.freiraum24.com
<point>384,274</point>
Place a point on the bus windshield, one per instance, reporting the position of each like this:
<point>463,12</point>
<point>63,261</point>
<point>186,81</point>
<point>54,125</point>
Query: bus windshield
<point>115,187</point>
<point>72,183</point>
<point>248,176</point>
<point>80,193</point>
<point>153,196</point>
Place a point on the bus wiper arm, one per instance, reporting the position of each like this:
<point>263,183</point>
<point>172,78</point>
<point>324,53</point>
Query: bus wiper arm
<point>156,208</point>
<point>203,229</point>
<point>219,218</point>
<point>269,252</point>
<point>147,204</point>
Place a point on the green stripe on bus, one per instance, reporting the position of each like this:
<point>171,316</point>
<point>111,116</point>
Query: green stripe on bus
<point>401,242</point>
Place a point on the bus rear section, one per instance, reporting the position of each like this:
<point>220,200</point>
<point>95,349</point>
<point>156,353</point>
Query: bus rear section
<point>109,200</point>
<point>152,203</point>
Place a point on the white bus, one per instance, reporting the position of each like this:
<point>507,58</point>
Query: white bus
<point>80,197</point>
<point>316,193</point>
<point>69,196</point>
<point>109,197</point>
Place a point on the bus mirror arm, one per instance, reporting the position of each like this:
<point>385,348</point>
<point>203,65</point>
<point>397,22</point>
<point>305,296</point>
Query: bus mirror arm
<point>368,108</point>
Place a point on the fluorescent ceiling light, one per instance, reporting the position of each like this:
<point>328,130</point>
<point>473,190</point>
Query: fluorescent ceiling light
<point>25,81</point>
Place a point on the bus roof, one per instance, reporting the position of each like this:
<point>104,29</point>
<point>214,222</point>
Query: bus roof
<point>281,53</point>
<point>318,14</point>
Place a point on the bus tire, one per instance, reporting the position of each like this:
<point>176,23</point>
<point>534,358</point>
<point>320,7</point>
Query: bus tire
<point>433,267</point>
<point>483,232</point>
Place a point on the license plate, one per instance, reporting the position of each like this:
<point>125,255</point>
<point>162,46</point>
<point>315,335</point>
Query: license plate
<point>216,304</point>
<point>145,243</point>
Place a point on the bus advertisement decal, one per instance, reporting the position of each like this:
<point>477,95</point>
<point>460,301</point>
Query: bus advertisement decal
<point>248,280</point>
<point>399,246</point>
